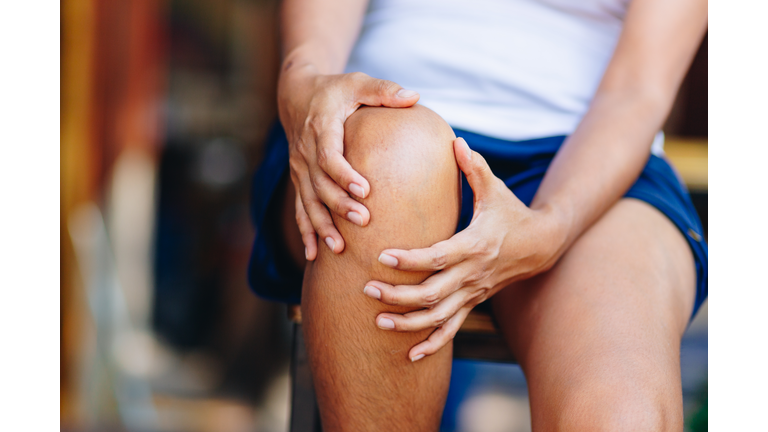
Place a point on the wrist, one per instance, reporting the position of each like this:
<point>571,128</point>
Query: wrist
<point>295,71</point>
<point>295,84</point>
<point>312,58</point>
<point>558,223</point>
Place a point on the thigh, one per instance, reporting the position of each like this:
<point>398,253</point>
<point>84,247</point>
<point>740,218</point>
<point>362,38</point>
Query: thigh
<point>598,335</point>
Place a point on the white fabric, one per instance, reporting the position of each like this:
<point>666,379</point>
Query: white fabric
<point>510,69</point>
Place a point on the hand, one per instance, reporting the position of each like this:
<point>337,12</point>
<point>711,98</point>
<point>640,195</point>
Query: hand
<point>505,241</point>
<point>313,109</point>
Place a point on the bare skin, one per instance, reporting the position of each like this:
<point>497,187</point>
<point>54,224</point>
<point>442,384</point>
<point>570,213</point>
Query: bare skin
<point>594,290</point>
<point>363,377</point>
<point>598,335</point>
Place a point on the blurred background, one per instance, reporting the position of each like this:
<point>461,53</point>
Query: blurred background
<point>164,109</point>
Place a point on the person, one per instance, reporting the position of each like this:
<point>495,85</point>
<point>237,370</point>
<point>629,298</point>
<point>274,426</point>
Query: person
<point>566,218</point>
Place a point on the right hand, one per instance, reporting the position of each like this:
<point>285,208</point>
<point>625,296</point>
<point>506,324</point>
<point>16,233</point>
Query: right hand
<point>313,109</point>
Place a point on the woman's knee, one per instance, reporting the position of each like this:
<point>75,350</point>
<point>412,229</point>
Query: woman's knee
<point>406,154</point>
<point>407,157</point>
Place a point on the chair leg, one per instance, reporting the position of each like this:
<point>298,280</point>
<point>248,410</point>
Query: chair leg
<point>305,416</point>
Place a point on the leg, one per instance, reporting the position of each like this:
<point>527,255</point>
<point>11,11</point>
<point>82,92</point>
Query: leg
<point>598,336</point>
<point>363,377</point>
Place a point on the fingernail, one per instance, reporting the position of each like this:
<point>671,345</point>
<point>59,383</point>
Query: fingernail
<point>355,218</point>
<point>306,254</point>
<point>417,358</point>
<point>466,148</point>
<point>405,94</point>
<point>388,260</point>
<point>357,190</point>
<point>386,324</point>
<point>329,241</point>
<point>372,292</point>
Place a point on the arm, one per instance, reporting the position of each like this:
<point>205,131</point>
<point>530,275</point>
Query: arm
<point>314,100</point>
<point>593,169</point>
<point>318,35</point>
<point>605,155</point>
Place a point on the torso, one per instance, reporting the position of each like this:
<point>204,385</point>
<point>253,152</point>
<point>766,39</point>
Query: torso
<point>511,69</point>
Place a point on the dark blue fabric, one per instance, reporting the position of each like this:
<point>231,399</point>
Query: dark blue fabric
<point>271,273</point>
<point>521,164</point>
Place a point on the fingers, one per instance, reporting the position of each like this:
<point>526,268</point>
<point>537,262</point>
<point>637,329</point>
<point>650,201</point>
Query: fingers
<point>330,134</point>
<point>376,92</point>
<point>319,218</point>
<point>327,178</point>
<point>425,318</point>
<point>339,202</point>
<point>427,294</point>
<point>330,157</point>
<point>436,257</point>
<point>479,175</point>
<point>308,234</point>
<point>440,337</point>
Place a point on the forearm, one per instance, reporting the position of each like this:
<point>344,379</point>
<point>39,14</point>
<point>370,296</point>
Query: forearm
<point>604,156</point>
<point>317,36</point>
<point>600,161</point>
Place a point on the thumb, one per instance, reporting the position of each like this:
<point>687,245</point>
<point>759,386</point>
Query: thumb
<point>377,92</point>
<point>479,175</point>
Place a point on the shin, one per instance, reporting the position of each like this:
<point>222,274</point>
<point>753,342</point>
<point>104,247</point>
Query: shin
<point>363,377</point>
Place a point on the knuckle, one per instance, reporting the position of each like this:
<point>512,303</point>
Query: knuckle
<point>305,228</point>
<point>311,202</point>
<point>439,319</point>
<point>305,234</point>
<point>480,246</point>
<point>431,298</point>
<point>304,150</point>
<point>310,122</point>
<point>328,227</point>
<point>393,299</point>
<point>339,207</point>
<point>323,156</point>
<point>303,222</point>
<point>477,275</point>
<point>314,124</point>
<point>438,259</point>
<point>296,164</point>
<point>316,182</point>
<point>384,86</point>
<point>323,229</point>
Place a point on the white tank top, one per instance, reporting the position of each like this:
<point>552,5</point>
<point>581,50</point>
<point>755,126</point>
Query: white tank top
<point>510,69</point>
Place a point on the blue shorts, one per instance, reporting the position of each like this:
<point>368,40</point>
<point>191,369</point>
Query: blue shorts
<point>521,164</point>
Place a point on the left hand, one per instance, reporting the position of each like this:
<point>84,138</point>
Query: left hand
<point>505,241</point>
